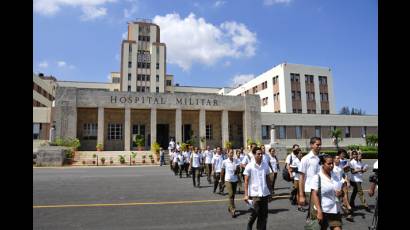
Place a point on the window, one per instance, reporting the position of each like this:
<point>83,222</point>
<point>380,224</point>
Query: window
<point>130,48</point>
<point>265,85</point>
<point>137,129</point>
<point>139,64</point>
<point>129,77</point>
<point>307,96</point>
<point>138,89</point>
<point>157,65</point>
<point>294,110</point>
<point>114,131</point>
<point>322,80</point>
<point>298,132</point>
<point>275,80</point>
<point>264,101</point>
<point>142,89</point>
<point>246,92</point>
<point>309,111</point>
<point>294,77</point>
<point>299,96</point>
<point>129,88</point>
<point>347,131</point>
<point>90,131</point>
<point>312,96</point>
<point>36,131</point>
<point>147,89</point>
<point>148,66</point>
<point>265,132</point>
<point>147,77</point>
<point>116,80</point>
<point>157,89</point>
<point>157,77</point>
<point>293,95</point>
<point>129,64</point>
<point>308,78</point>
<point>139,77</point>
<point>142,77</point>
<point>255,89</point>
<point>169,82</point>
<point>318,131</point>
<point>282,132</point>
<point>209,132</point>
<point>325,97</point>
<point>299,110</point>
<point>364,131</point>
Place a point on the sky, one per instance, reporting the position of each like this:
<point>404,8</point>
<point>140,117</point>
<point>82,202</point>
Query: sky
<point>216,43</point>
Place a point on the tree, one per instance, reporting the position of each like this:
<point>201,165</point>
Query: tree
<point>336,134</point>
<point>345,110</point>
<point>372,140</point>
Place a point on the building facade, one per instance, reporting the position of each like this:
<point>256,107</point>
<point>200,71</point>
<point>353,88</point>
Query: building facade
<point>44,88</point>
<point>114,118</point>
<point>292,88</point>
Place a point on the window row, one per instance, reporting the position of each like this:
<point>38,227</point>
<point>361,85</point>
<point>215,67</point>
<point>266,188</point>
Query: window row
<point>297,110</point>
<point>275,80</point>
<point>311,111</point>
<point>324,97</point>
<point>276,97</point>
<point>297,132</point>
<point>38,104</point>
<point>295,77</point>
<point>143,38</point>
<point>42,91</point>
<point>310,96</point>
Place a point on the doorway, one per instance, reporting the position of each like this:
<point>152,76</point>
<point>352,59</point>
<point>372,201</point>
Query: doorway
<point>163,135</point>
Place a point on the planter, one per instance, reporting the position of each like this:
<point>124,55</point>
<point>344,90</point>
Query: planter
<point>152,161</point>
<point>133,162</point>
<point>143,161</point>
<point>83,162</point>
<point>111,162</point>
<point>93,162</point>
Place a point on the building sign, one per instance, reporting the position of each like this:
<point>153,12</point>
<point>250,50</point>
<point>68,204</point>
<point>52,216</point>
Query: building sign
<point>147,100</point>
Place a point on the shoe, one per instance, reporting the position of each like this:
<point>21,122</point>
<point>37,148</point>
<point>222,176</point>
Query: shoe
<point>300,209</point>
<point>349,218</point>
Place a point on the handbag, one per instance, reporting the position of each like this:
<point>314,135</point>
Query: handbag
<point>285,173</point>
<point>313,224</point>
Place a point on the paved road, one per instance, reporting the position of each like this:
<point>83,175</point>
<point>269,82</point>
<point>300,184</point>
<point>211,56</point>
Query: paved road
<point>150,198</point>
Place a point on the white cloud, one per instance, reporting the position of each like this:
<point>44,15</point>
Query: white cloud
<point>61,63</point>
<point>192,40</point>
<point>43,64</point>
<point>219,3</point>
<point>91,13</point>
<point>130,13</point>
<point>241,79</point>
<point>90,8</point>
<point>125,35</point>
<point>272,2</point>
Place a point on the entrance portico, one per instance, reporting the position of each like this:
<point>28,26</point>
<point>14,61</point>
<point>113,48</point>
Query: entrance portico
<point>114,118</point>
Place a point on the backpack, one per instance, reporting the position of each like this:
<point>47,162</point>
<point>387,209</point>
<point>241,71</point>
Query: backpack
<point>285,173</point>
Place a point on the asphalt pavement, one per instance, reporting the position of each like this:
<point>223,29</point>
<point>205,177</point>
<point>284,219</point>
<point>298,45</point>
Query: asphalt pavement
<point>153,198</point>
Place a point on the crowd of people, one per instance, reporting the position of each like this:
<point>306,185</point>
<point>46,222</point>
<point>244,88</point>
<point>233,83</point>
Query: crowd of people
<point>320,182</point>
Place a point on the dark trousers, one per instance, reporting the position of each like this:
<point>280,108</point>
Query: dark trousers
<point>217,177</point>
<point>186,167</point>
<point>181,168</point>
<point>260,212</point>
<point>196,175</point>
<point>357,188</point>
<point>162,160</point>
<point>176,168</point>
<point>208,168</point>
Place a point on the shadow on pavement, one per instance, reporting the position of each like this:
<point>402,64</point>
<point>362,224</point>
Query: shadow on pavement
<point>274,211</point>
<point>282,188</point>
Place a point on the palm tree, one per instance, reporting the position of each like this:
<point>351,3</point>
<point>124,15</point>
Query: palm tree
<point>336,134</point>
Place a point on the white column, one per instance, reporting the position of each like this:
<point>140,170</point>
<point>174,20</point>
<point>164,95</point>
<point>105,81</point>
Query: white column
<point>153,125</point>
<point>127,130</point>
<point>225,127</point>
<point>202,128</point>
<point>178,126</point>
<point>272,134</point>
<point>100,126</point>
<point>317,94</point>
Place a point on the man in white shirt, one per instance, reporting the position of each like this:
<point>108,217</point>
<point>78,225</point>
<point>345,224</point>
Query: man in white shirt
<point>216,169</point>
<point>171,145</point>
<point>208,163</point>
<point>257,189</point>
<point>357,169</point>
<point>309,167</point>
<point>229,173</point>
<point>187,155</point>
<point>195,165</point>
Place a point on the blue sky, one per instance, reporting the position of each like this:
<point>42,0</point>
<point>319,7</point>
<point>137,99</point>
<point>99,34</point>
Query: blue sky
<point>228,41</point>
